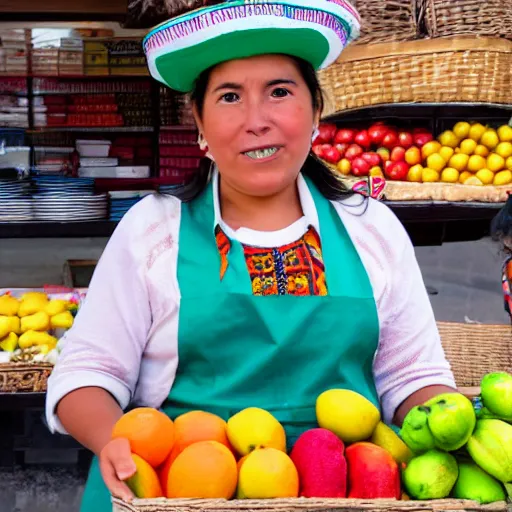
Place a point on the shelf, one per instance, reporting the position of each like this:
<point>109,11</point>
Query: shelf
<point>94,129</point>
<point>93,229</point>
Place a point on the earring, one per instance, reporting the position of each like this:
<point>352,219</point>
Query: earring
<point>316,133</point>
<point>203,145</point>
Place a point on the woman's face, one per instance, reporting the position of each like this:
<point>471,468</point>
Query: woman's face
<point>258,121</point>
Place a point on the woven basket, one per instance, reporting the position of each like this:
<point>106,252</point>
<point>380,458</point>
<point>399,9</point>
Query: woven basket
<point>429,71</point>
<point>24,377</point>
<point>488,18</point>
<point>387,20</point>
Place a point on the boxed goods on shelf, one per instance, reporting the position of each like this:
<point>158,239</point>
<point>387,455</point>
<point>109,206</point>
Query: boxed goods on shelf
<point>14,51</point>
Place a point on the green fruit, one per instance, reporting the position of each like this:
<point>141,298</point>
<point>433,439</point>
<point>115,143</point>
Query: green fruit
<point>415,432</point>
<point>431,475</point>
<point>497,394</point>
<point>477,485</point>
<point>490,447</point>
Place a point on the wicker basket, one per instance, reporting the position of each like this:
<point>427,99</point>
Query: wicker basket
<point>387,20</point>
<point>429,71</point>
<point>488,18</point>
<point>24,377</point>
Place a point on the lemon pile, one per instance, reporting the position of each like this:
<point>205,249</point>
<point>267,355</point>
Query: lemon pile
<point>470,153</point>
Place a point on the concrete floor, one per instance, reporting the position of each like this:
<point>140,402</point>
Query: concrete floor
<point>464,276</point>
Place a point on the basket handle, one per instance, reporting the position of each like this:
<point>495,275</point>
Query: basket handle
<point>124,504</point>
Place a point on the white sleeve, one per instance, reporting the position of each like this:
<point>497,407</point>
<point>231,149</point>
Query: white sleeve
<point>410,355</point>
<point>105,345</point>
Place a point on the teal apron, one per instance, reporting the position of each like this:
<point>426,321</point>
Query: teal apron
<point>275,352</point>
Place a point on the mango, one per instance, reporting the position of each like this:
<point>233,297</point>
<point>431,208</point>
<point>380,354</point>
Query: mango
<point>496,394</point>
<point>32,338</point>
<point>62,320</point>
<point>415,431</point>
<point>372,472</point>
<point>32,303</point>
<point>36,322</point>
<point>490,447</point>
<point>431,475</point>
<point>144,483</point>
<point>56,306</point>
<point>5,326</point>
<point>351,416</point>
<point>267,473</point>
<point>318,455</point>
<point>254,428</point>
<point>9,305</point>
<point>15,324</point>
<point>386,438</point>
<point>477,485</point>
<point>9,343</point>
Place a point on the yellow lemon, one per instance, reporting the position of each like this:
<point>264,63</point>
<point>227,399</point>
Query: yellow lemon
<point>459,162</point>
<point>485,176</point>
<point>448,138</point>
<point>508,163</point>
<point>464,176</point>
<point>474,181</point>
<point>450,175</point>
<point>468,146</point>
<point>436,162</point>
<point>476,162</point>
<point>481,151</point>
<point>495,162</point>
<point>430,148</point>
<point>505,133</point>
<point>490,138</point>
<point>476,131</point>
<point>446,152</point>
<point>429,175</point>
<point>415,173</point>
<point>504,149</point>
<point>502,178</point>
<point>461,129</point>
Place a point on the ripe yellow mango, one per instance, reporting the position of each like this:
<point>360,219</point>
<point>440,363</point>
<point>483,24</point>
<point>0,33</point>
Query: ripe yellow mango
<point>56,306</point>
<point>9,343</point>
<point>9,306</point>
<point>62,320</point>
<point>31,338</point>
<point>32,304</point>
<point>37,322</point>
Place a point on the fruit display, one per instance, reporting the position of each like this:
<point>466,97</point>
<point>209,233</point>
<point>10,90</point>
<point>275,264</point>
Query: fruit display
<point>468,154</point>
<point>448,447</point>
<point>32,322</point>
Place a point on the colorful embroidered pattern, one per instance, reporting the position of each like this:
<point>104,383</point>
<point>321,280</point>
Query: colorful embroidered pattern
<point>506,283</point>
<point>293,269</point>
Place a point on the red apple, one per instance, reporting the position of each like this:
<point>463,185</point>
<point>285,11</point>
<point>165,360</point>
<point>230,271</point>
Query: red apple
<point>387,165</point>
<point>420,139</point>
<point>320,149</point>
<point>344,136</point>
<point>353,151</point>
<point>376,132</point>
<point>360,167</point>
<point>383,153</point>
<point>342,148</point>
<point>332,155</point>
<point>372,158</point>
<point>390,140</point>
<point>397,154</point>
<point>413,156</point>
<point>405,139</point>
<point>397,170</point>
<point>326,133</point>
<point>363,139</point>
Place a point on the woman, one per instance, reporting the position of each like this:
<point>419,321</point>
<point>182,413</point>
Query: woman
<point>267,282</point>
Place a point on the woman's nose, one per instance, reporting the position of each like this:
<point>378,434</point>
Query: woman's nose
<point>257,118</point>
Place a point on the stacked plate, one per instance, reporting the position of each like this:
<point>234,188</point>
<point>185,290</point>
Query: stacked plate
<point>15,201</point>
<point>62,199</point>
<point>122,201</point>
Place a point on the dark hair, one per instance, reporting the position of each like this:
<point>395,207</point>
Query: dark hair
<point>323,177</point>
<point>501,225</point>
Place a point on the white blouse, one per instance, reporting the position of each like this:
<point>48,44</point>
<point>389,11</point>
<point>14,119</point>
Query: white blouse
<point>125,336</point>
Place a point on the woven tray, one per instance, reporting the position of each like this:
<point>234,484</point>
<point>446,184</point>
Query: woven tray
<point>447,18</point>
<point>24,377</point>
<point>302,505</point>
<point>462,70</point>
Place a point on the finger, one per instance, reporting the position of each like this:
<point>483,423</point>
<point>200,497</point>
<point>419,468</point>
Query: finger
<point>120,456</point>
<point>116,487</point>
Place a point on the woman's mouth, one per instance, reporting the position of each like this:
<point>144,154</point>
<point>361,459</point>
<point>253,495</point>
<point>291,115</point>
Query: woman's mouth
<point>260,154</point>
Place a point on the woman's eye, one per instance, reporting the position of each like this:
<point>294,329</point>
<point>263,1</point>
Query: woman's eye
<point>230,97</point>
<point>280,92</point>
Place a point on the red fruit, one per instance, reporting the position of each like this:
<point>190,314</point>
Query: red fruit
<point>353,151</point>
<point>413,156</point>
<point>331,155</point>
<point>318,455</point>
<point>390,140</point>
<point>383,153</point>
<point>420,139</point>
<point>376,133</point>
<point>372,158</point>
<point>397,154</point>
<point>342,148</point>
<point>360,167</point>
<point>416,131</point>
<point>387,165</point>
<point>318,150</point>
<point>363,139</point>
<point>344,136</point>
<point>372,472</point>
<point>326,134</point>
<point>397,170</point>
<point>405,139</point>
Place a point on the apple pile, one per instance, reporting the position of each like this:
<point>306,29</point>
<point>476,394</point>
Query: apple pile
<point>381,150</point>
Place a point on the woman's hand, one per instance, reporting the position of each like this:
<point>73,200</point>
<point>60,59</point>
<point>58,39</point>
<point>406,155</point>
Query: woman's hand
<point>117,465</point>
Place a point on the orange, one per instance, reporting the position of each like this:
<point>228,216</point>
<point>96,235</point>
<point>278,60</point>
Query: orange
<point>150,432</point>
<point>145,483</point>
<point>206,469</point>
